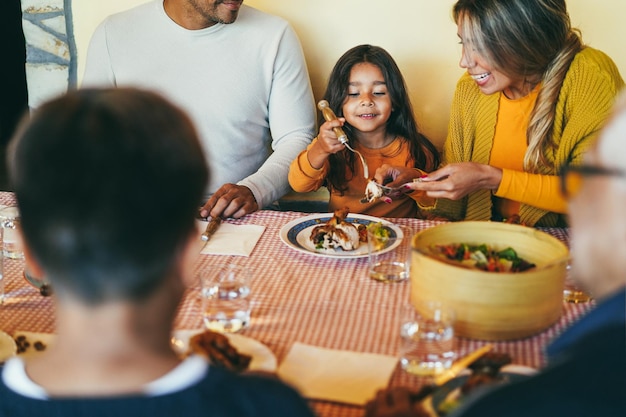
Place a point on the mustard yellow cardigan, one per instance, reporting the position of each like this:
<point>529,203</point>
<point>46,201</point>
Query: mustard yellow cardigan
<point>585,101</point>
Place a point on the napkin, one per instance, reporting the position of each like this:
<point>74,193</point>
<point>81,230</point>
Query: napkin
<point>336,375</point>
<point>232,239</point>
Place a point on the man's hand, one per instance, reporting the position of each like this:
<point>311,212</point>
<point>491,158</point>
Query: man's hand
<point>230,200</point>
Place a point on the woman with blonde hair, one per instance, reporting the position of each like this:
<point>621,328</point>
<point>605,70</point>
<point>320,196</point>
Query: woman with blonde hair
<point>533,99</point>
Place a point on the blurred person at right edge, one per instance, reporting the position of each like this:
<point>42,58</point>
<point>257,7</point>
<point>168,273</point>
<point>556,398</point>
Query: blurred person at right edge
<point>586,371</point>
<point>533,99</point>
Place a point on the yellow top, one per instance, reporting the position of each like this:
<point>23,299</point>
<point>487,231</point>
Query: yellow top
<point>510,144</point>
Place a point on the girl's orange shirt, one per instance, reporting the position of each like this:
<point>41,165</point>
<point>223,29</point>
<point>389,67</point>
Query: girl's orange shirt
<point>304,178</point>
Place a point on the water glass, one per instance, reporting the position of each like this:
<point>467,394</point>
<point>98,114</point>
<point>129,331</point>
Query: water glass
<point>571,292</point>
<point>11,239</point>
<point>427,338</point>
<point>389,255</point>
<point>225,303</point>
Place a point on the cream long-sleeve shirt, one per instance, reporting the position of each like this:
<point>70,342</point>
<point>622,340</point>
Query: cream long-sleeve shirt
<point>245,86</point>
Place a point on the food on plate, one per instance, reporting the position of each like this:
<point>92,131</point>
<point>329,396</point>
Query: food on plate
<point>217,348</point>
<point>490,363</point>
<point>337,233</point>
<point>481,257</point>
<point>485,371</point>
<point>24,345</point>
<point>379,233</point>
<point>372,191</point>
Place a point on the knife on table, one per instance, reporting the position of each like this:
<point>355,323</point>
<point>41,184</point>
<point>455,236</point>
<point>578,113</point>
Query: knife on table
<point>211,228</point>
<point>451,373</point>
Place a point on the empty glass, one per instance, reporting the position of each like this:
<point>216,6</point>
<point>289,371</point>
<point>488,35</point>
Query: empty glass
<point>427,338</point>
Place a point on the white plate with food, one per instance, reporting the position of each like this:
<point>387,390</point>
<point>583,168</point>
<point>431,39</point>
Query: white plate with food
<point>263,358</point>
<point>8,347</point>
<point>32,343</point>
<point>297,235</point>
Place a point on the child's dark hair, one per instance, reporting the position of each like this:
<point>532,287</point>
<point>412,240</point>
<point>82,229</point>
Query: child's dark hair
<point>401,122</point>
<point>94,158</point>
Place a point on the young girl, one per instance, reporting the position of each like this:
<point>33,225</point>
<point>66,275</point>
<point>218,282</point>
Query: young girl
<point>367,92</point>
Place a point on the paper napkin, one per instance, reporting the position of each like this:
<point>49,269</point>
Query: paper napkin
<point>336,375</point>
<point>231,239</point>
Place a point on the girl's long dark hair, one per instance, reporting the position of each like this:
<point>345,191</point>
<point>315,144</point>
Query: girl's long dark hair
<point>401,122</point>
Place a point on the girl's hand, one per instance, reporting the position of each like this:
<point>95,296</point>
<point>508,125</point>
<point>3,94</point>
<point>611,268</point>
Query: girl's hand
<point>395,176</point>
<point>327,143</point>
<point>455,181</point>
<point>327,139</point>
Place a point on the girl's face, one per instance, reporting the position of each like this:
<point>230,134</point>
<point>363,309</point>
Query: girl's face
<point>489,79</point>
<point>367,106</point>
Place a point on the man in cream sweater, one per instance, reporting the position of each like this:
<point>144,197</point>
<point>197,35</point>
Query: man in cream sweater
<point>241,75</point>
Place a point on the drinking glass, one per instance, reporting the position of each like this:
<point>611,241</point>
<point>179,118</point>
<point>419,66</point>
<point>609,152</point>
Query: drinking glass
<point>225,303</point>
<point>389,265</point>
<point>571,292</point>
<point>11,240</point>
<point>427,338</point>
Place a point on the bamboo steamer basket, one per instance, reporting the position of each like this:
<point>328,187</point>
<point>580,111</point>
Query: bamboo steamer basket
<point>492,305</point>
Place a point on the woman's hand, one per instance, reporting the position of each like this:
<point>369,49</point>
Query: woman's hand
<point>327,143</point>
<point>455,181</point>
<point>396,176</point>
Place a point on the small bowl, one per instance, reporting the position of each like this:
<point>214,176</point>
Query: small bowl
<point>492,305</point>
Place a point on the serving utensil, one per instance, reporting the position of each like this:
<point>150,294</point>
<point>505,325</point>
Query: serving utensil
<point>451,373</point>
<point>458,366</point>
<point>329,115</point>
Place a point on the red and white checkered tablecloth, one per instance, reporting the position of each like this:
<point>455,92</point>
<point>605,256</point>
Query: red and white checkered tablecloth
<point>297,297</point>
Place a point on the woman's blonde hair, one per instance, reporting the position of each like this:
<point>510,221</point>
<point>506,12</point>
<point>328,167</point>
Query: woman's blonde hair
<point>528,39</point>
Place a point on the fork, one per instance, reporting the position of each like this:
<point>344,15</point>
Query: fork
<point>329,115</point>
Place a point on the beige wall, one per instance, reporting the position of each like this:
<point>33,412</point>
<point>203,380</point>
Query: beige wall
<point>420,34</point>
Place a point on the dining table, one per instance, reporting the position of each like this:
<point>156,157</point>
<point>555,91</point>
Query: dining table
<point>296,296</point>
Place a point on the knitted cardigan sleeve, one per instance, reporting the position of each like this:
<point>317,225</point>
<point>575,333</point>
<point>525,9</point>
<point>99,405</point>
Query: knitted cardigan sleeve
<point>470,137</point>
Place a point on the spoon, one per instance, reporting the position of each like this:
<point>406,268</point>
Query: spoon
<point>329,115</point>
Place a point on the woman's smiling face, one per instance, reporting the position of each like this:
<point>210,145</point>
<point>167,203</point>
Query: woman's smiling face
<point>489,79</point>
